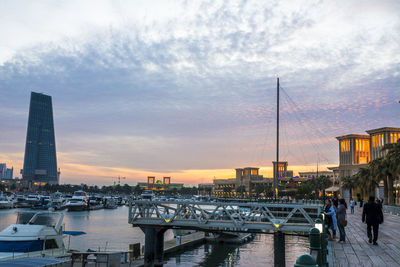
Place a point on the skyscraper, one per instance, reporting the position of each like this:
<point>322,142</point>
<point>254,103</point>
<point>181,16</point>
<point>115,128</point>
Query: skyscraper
<point>40,161</point>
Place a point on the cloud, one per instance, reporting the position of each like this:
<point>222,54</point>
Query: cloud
<point>135,87</point>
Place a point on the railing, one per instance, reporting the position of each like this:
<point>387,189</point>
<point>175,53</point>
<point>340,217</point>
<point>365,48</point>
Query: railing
<point>225,216</point>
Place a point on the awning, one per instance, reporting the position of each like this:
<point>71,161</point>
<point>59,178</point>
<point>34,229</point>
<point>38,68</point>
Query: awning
<point>332,189</point>
<point>73,233</point>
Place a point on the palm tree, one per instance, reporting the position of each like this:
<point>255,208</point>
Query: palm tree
<point>392,162</point>
<point>349,183</point>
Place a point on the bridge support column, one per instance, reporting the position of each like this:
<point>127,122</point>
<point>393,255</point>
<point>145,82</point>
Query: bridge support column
<point>279,249</point>
<point>153,246</point>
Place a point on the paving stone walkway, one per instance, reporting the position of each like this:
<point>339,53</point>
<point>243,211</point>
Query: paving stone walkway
<point>358,252</point>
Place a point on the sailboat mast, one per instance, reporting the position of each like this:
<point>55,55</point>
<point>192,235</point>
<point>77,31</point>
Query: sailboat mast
<point>276,174</point>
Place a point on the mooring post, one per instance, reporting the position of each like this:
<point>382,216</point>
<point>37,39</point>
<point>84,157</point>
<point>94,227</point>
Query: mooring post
<point>279,249</point>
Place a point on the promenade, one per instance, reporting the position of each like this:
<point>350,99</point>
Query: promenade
<point>358,252</point>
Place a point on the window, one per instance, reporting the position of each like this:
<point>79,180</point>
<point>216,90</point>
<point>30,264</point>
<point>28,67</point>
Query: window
<point>254,172</point>
<point>394,137</point>
<point>50,244</point>
<point>344,145</point>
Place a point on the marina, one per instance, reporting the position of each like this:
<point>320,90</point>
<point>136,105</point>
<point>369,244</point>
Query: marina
<point>107,230</point>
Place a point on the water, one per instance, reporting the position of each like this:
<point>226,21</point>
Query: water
<point>109,229</point>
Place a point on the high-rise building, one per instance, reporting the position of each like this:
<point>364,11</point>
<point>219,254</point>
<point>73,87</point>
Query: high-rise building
<point>6,173</point>
<point>40,161</point>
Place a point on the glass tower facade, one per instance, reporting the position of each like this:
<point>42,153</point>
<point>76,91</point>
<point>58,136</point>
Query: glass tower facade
<point>40,161</point>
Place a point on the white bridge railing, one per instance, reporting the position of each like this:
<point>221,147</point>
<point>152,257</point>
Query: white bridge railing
<point>252,217</point>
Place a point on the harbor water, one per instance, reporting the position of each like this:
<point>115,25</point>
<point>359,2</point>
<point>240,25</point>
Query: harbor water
<point>108,229</point>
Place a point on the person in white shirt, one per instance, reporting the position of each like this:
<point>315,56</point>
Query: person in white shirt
<point>352,205</point>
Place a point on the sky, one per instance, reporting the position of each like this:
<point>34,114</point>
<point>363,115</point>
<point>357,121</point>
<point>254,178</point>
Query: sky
<point>187,89</point>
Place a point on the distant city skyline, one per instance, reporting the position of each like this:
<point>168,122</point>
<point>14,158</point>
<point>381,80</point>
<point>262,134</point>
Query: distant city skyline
<point>187,89</point>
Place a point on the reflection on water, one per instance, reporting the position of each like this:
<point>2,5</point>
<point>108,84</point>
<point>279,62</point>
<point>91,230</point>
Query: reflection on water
<point>109,229</point>
<point>257,253</point>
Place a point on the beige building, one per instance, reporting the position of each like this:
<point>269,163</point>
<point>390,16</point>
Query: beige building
<point>248,177</point>
<point>356,151</point>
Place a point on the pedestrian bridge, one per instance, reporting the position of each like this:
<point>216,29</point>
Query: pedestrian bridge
<point>250,217</point>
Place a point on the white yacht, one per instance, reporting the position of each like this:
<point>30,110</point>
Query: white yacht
<point>78,202</point>
<point>6,202</point>
<point>34,235</point>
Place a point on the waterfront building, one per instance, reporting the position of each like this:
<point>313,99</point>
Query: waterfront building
<point>159,185</point>
<point>205,188</point>
<point>40,161</point>
<point>6,173</point>
<point>313,174</point>
<point>246,178</point>
<point>356,151</point>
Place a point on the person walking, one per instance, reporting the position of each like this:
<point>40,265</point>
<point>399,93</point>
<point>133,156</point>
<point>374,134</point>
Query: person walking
<point>330,220</point>
<point>352,205</point>
<point>373,216</point>
<point>341,218</point>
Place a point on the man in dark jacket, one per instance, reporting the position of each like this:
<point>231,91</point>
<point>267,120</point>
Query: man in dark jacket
<point>373,216</point>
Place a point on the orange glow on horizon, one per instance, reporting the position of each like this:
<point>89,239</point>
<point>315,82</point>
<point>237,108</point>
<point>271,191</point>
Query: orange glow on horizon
<point>74,173</point>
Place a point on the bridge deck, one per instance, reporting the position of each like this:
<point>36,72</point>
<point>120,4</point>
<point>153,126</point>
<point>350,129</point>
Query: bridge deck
<point>236,217</point>
<point>358,252</point>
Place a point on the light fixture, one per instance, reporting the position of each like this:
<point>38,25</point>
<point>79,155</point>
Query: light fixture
<point>319,224</point>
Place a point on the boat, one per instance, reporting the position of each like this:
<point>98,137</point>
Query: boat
<point>95,202</point>
<point>6,202</point>
<point>147,195</point>
<point>57,201</point>
<point>21,202</point>
<point>34,235</point>
<point>42,204</point>
<point>110,203</point>
<point>32,199</point>
<point>78,202</point>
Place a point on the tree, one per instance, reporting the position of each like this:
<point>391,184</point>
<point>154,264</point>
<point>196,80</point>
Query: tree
<point>349,183</point>
<point>260,188</point>
<point>391,161</point>
<point>320,183</point>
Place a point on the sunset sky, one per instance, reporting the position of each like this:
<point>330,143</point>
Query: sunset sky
<point>187,89</point>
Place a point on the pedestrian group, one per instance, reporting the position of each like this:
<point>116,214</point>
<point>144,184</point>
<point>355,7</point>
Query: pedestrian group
<point>336,217</point>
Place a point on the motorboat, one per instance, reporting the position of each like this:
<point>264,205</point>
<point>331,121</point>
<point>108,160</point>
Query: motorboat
<point>21,202</point>
<point>147,195</point>
<point>110,203</point>
<point>78,202</point>
<point>57,201</point>
<point>95,202</point>
<point>34,235</point>
<point>6,202</point>
<point>42,204</point>
<point>32,199</point>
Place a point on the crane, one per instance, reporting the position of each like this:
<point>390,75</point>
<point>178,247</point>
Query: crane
<point>119,179</point>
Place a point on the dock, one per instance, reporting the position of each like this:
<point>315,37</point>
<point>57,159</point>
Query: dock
<point>170,246</point>
<point>357,251</point>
